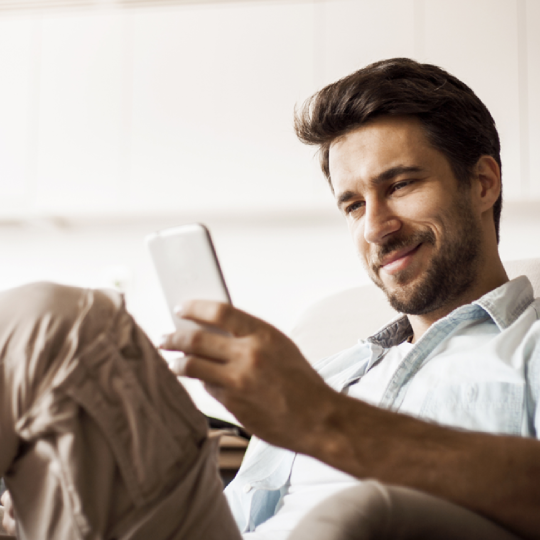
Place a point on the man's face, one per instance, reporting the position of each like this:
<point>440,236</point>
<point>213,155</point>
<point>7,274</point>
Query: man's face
<point>413,225</point>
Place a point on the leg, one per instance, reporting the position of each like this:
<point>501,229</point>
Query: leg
<point>373,511</point>
<point>99,440</point>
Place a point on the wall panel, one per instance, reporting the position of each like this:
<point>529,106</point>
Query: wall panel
<point>533,93</point>
<point>214,91</point>
<point>81,129</point>
<point>17,67</point>
<point>477,42</point>
<point>354,34</point>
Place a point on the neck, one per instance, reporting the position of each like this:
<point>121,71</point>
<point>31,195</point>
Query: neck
<point>490,276</point>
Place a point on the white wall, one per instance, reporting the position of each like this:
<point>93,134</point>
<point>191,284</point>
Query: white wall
<point>189,107</point>
<point>156,116</point>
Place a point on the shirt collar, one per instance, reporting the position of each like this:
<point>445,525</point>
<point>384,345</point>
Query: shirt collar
<point>394,333</point>
<point>504,305</point>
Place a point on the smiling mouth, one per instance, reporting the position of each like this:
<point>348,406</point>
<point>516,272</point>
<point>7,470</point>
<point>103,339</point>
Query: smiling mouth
<point>399,260</point>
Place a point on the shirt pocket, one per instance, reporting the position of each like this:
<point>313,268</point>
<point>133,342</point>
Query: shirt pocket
<point>491,407</point>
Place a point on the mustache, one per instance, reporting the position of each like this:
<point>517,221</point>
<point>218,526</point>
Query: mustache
<point>400,242</point>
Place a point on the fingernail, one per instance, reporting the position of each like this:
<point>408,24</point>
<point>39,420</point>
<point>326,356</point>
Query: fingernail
<point>178,310</point>
<point>162,341</point>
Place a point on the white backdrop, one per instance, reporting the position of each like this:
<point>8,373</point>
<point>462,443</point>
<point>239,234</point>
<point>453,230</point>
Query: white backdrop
<point>189,107</point>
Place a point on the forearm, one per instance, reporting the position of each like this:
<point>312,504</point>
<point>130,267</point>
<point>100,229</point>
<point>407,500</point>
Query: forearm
<point>496,476</point>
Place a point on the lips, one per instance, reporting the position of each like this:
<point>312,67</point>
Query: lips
<point>398,259</point>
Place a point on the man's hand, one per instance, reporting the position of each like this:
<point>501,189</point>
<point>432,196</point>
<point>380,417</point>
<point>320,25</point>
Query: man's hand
<point>254,370</point>
<point>8,522</point>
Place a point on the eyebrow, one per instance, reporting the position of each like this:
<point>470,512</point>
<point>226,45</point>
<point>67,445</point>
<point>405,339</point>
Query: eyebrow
<point>390,174</point>
<point>385,176</point>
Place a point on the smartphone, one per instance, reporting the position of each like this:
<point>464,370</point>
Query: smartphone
<point>187,266</point>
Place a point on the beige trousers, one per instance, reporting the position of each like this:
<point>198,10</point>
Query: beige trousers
<point>98,440</point>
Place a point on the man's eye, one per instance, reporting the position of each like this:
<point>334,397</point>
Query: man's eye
<point>400,185</point>
<point>354,206</point>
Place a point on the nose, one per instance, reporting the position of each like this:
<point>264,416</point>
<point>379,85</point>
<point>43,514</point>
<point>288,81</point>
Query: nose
<point>379,222</point>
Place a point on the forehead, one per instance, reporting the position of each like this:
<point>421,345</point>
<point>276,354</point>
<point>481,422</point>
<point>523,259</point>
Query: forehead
<point>380,145</point>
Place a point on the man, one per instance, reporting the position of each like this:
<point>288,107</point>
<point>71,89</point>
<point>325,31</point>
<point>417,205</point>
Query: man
<point>412,156</point>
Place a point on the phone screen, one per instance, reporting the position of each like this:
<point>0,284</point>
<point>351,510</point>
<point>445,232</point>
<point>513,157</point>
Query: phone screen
<point>187,266</point>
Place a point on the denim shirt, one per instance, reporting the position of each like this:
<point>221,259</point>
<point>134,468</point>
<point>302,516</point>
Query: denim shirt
<point>478,368</point>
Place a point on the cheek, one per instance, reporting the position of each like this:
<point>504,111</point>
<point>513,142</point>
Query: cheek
<point>425,213</point>
<point>425,200</point>
<point>441,221</point>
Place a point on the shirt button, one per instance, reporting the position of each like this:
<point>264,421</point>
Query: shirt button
<point>247,488</point>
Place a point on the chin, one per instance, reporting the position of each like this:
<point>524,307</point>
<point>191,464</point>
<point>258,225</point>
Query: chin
<point>428,293</point>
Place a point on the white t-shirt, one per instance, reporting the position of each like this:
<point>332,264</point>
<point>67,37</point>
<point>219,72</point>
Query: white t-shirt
<point>313,481</point>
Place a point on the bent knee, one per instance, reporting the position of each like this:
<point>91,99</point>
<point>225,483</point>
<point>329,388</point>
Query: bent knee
<point>37,319</point>
<point>34,301</point>
<point>369,500</point>
<point>27,304</point>
<point>42,328</point>
<point>360,513</point>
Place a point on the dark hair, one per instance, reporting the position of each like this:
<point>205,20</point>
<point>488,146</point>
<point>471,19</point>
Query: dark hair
<point>455,121</point>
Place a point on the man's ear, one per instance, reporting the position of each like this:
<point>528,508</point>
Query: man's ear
<point>486,181</point>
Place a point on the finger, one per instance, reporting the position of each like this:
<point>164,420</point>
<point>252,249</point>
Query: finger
<point>9,524</point>
<point>223,316</point>
<point>6,502</point>
<point>217,392</point>
<point>209,372</point>
<point>199,341</point>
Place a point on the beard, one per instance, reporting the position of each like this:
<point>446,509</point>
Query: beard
<point>451,272</point>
